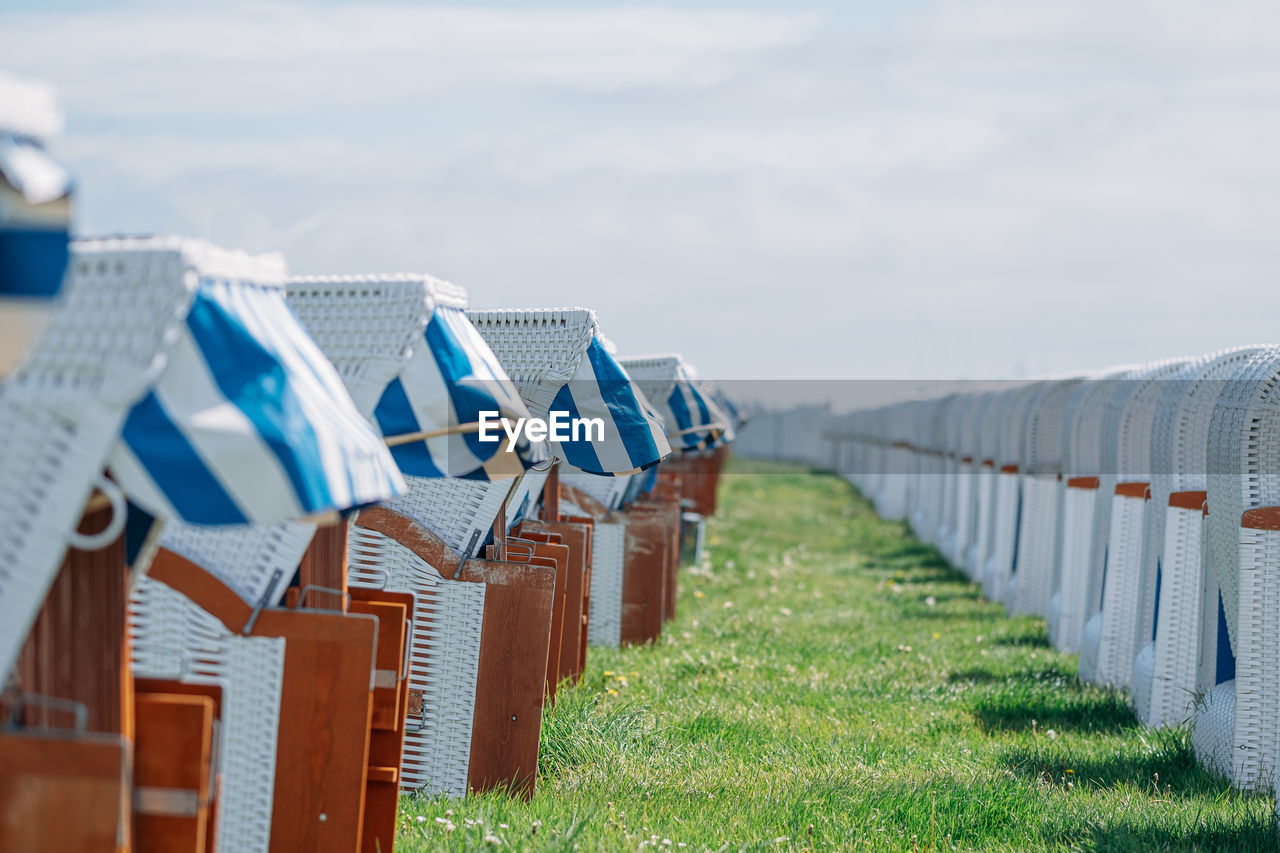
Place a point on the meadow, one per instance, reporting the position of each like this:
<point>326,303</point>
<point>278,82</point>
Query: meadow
<point>830,683</point>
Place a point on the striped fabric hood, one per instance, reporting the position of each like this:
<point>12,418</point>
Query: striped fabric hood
<point>248,422</point>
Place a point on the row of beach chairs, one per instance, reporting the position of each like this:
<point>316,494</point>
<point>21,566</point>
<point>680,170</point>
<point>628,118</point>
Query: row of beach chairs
<point>1136,509</point>
<point>261,572</point>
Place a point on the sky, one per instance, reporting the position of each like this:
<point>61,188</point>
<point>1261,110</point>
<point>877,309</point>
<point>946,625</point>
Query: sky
<point>802,190</point>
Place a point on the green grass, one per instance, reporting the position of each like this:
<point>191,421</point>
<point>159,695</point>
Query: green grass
<point>830,683</point>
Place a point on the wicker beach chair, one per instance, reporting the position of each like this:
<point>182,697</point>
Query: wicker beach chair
<point>1109,642</point>
<point>1006,516</point>
<point>1234,727</point>
<point>1038,534</point>
<point>1085,516</point>
<point>1165,681</point>
<point>973,486</point>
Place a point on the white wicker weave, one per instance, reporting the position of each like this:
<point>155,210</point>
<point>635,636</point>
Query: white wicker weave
<point>1176,538</point>
<point>540,349</point>
<point>608,553</point>
<point>1086,510</point>
<point>1133,410</point>
<point>369,326</point>
<point>250,671</point>
<point>1042,460</point>
<point>999,582</point>
<point>1244,564</point>
<point>443,663</point>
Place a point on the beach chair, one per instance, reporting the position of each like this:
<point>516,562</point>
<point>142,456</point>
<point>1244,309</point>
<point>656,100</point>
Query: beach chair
<point>973,487</point>
<point>1008,493</point>
<point>1234,729</point>
<point>1085,515</point>
<point>255,562</point>
<point>1109,642</point>
<point>1165,680</point>
<point>1042,488</point>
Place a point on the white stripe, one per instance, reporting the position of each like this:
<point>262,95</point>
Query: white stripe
<point>225,439</point>
<point>137,482</point>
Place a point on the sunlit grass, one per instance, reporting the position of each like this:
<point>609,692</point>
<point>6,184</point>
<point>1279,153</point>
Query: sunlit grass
<point>830,683</point>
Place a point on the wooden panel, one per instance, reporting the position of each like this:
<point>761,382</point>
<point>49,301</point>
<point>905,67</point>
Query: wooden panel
<point>1261,518</point>
<point>173,752</point>
<point>183,688</point>
<point>324,564</point>
<point>390,707</point>
<point>1189,500</point>
<point>643,584</point>
<point>667,515</point>
<point>1133,490</point>
<point>576,538</point>
<point>66,795</point>
<point>322,750</point>
<point>77,647</point>
<point>514,643</point>
<point>393,623</point>
<point>1084,483</point>
<point>560,554</point>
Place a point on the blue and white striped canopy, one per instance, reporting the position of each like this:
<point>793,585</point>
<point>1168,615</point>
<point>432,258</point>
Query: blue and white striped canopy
<point>444,387</point>
<point>249,423</point>
<point>699,422</point>
<point>694,421</point>
<point>634,436</point>
<point>563,368</point>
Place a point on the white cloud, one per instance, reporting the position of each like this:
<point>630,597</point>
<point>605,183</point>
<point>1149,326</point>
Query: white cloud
<point>955,190</point>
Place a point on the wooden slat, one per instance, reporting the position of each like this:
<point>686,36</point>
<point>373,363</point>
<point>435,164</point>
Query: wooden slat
<point>514,643</point>
<point>643,583</point>
<point>174,750</point>
<point>1133,490</point>
<point>63,794</point>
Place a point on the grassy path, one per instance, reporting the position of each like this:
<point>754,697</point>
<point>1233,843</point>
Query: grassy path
<point>830,683</point>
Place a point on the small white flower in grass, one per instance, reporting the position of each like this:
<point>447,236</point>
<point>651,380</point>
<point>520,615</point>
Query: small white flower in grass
<point>421,819</point>
<point>728,604</point>
<point>503,826</point>
<point>785,611</point>
<point>442,820</point>
<point>493,840</point>
<point>930,601</point>
<point>1052,734</point>
<point>782,839</point>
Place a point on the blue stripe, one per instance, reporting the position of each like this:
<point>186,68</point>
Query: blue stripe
<point>137,526</point>
<point>1155,617</point>
<point>176,467</point>
<point>32,261</point>
<point>684,420</point>
<point>629,418</point>
<point>253,379</point>
<point>394,415</point>
<point>1225,665</point>
<point>704,413</point>
<point>469,398</point>
<point>579,454</point>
